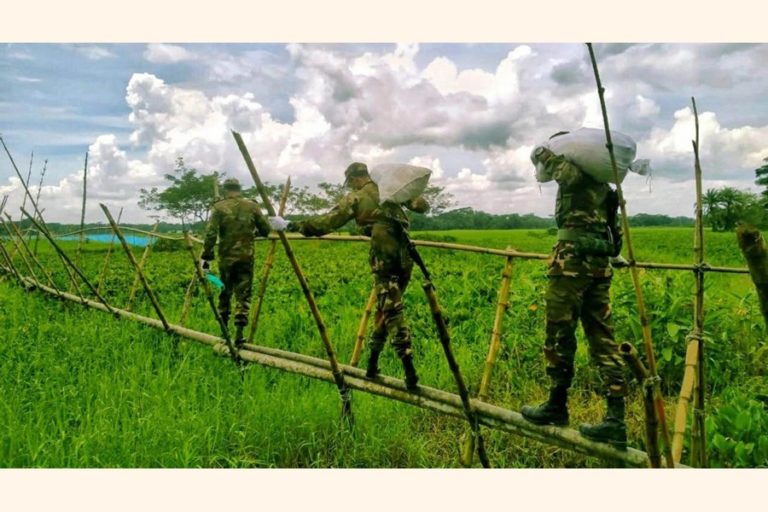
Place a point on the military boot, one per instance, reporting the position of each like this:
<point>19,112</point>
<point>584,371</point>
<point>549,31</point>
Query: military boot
<point>239,337</point>
<point>552,412</point>
<point>411,379</point>
<point>612,429</point>
<point>373,364</point>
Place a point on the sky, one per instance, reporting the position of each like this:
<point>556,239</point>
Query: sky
<point>470,112</point>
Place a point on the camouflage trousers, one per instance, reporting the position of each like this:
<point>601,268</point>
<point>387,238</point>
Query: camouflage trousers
<point>391,279</point>
<point>238,280</point>
<point>570,299</point>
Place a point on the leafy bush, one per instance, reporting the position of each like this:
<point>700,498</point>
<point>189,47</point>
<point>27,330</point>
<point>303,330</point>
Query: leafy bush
<point>738,432</point>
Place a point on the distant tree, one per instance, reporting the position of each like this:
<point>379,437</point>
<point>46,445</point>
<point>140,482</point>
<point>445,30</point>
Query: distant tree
<point>762,179</point>
<point>725,208</point>
<point>439,200</point>
<point>188,197</point>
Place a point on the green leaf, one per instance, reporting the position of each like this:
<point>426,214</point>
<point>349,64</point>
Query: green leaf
<point>666,353</point>
<point>743,421</point>
<point>673,330</point>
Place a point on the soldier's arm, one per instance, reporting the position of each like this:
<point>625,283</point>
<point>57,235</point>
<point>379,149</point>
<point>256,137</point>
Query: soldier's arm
<point>262,225</point>
<point>334,219</point>
<point>211,234</point>
<point>417,204</point>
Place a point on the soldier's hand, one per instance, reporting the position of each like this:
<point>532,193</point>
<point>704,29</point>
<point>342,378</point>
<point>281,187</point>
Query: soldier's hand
<point>278,223</point>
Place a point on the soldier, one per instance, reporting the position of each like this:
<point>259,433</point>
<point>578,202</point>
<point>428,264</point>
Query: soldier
<point>235,222</point>
<point>579,283</point>
<point>388,257</point>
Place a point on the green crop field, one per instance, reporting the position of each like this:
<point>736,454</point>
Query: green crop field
<point>82,389</point>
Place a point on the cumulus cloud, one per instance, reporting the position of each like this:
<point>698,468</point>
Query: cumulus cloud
<point>161,53</point>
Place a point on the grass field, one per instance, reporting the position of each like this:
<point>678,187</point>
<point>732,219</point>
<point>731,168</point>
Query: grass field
<point>82,389</point>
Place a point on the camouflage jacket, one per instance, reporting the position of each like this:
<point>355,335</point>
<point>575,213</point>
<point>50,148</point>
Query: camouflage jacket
<point>580,213</point>
<point>235,221</point>
<point>379,221</point>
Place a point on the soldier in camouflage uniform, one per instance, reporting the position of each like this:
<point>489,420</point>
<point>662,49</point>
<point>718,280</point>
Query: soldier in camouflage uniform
<point>235,221</point>
<point>579,283</point>
<point>389,259</point>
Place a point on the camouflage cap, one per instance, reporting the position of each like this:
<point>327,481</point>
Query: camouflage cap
<point>231,184</point>
<point>355,170</point>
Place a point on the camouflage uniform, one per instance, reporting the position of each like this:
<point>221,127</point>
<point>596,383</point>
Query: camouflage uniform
<point>388,256</point>
<point>235,222</point>
<point>580,279</point>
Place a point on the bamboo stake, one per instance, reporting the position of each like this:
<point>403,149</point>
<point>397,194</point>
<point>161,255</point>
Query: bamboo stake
<point>140,268</point>
<point>188,300</point>
<point>32,256</point>
<point>700,454</point>
<point>103,273</point>
<point>501,308</point>
<point>11,266</point>
<point>644,320</point>
<point>82,213</point>
<point>37,200</point>
<point>362,327</point>
<point>132,259</point>
<point>388,387</point>
<point>686,393</point>
<point>233,352</point>
<point>337,373</point>
<point>630,355</point>
<point>267,267</point>
<point>468,450</point>
<point>29,176</point>
<point>68,262</point>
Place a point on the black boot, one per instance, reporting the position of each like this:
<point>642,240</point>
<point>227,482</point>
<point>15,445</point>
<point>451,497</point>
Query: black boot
<point>612,430</point>
<point>411,379</point>
<point>239,337</point>
<point>373,365</point>
<point>552,412</point>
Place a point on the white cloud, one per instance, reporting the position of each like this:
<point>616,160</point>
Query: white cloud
<point>161,53</point>
<point>95,52</point>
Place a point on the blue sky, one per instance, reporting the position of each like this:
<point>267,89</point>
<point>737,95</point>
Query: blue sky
<point>471,112</point>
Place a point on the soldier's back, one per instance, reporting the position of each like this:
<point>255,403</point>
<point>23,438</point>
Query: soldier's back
<point>237,227</point>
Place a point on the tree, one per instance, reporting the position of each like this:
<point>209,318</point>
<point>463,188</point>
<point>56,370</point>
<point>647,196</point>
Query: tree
<point>188,198</point>
<point>439,200</point>
<point>762,179</point>
<point>725,208</point>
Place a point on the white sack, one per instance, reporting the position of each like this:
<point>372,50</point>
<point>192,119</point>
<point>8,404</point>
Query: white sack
<point>399,183</point>
<point>585,147</point>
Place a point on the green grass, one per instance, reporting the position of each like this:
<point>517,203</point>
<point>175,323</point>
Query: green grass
<point>82,389</point>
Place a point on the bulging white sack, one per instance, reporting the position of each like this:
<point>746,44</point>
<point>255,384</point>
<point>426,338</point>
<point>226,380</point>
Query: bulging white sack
<point>399,183</point>
<point>585,147</point>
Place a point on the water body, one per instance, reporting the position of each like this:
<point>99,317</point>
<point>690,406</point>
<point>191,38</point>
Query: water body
<point>132,239</point>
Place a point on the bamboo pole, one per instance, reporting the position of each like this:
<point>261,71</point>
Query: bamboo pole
<point>698,433</point>
<point>337,373</point>
<point>82,213</point>
<point>267,267</point>
<point>105,265</point>
<point>360,339</point>
<point>37,201</point>
<point>630,355</point>
<point>68,262</point>
<point>188,299</point>
<point>644,319</point>
<point>32,256</point>
<point>686,393</point>
<point>388,387</point>
<point>132,259</point>
<point>755,252</point>
<point>233,352</point>
<point>468,451</point>
<point>501,308</point>
<point>6,256</point>
<point>29,176</point>
<point>140,268</point>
